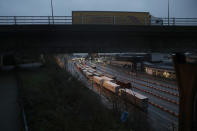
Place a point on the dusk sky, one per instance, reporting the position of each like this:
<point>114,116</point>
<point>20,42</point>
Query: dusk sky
<point>158,8</point>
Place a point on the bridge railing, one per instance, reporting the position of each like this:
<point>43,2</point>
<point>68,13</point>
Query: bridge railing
<point>108,20</point>
<point>20,20</point>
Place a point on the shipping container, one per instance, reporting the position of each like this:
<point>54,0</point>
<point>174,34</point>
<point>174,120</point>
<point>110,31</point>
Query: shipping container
<point>98,80</point>
<point>89,75</point>
<point>135,98</point>
<point>113,87</point>
<point>107,79</point>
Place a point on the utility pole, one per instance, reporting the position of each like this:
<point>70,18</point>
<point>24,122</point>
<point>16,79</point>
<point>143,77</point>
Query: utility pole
<point>168,12</point>
<point>52,10</point>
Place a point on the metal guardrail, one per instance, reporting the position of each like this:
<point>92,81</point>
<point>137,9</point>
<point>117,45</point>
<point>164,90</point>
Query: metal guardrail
<point>108,20</point>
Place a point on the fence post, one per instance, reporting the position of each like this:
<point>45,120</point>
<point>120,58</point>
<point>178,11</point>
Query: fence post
<point>173,21</point>
<point>15,20</point>
<point>82,20</point>
<point>114,18</point>
<point>66,19</point>
<point>49,20</point>
<point>53,20</point>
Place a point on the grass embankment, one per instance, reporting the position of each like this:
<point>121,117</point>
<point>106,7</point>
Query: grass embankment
<point>55,101</point>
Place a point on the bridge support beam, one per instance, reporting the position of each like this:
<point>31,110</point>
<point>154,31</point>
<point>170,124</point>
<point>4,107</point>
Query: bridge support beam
<point>37,39</point>
<point>187,82</point>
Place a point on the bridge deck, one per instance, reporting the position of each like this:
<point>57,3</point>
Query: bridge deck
<point>97,38</point>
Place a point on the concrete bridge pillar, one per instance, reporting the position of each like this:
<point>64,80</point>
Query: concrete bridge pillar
<point>1,60</point>
<point>195,114</point>
<point>187,81</point>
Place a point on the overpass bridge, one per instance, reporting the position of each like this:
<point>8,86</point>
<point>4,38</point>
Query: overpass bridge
<point>50,35</point>
<point>59,34</point>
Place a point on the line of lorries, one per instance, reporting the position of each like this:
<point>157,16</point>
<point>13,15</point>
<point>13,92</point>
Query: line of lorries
<point>109,83</point>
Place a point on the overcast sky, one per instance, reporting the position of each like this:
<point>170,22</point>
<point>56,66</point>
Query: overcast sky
<point>158,8</point>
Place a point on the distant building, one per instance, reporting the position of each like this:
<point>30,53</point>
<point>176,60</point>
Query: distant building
<point>80,54</point>
<point>191,58</point>
<point>111,17</point>
<point>161,57</point>
<point>134,57</point>
<point>132,61</point>
<point>160,70</point>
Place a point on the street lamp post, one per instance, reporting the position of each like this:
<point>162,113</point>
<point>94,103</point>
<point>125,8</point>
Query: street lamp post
<point>52,10</point>
<point>168,12</point>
